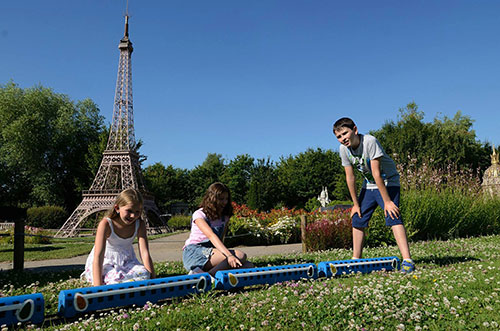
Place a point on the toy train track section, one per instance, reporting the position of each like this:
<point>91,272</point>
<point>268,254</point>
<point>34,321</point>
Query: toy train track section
<point>90,299</point>
<point>344,267</point>
<point>22,308</point>
<point>228,279</point>
<point>29,308</point>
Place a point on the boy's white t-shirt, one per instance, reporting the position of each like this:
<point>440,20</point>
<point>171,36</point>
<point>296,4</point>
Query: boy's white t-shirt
<point>369,148</point>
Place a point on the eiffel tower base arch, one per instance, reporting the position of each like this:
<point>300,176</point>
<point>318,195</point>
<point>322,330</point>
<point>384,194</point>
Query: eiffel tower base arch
<point>95,202</point>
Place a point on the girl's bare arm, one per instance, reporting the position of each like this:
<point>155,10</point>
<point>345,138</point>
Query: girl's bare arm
<point>214,239</point>
<point>142,239</point>
<point>102,233</point>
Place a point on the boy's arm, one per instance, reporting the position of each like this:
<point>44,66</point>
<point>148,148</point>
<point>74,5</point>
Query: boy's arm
<point>390,207</point>
<point>351,185</point>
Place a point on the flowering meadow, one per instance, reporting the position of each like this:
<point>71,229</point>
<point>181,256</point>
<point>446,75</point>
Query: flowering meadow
<point>456,287</point>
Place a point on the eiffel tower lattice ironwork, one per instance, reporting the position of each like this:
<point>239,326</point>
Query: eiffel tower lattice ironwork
<point>120,167</point>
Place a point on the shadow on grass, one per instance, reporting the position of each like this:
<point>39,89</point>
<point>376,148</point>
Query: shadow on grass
<point>33,249</point>
<point>42,275</point>
<point>444,260</point>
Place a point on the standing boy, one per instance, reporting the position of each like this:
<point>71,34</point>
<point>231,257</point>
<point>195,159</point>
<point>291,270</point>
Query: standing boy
<point>380,187</point>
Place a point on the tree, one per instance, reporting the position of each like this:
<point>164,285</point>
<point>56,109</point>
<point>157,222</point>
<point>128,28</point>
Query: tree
<point>237,177</point>
<point>168,184</point>
<point>440,143</point>
<point>44,137</point>
<point>93,158</point>
<point>302,177</point>
<point>455,143</point>
<point>263,187</point>
<point>210,171</point>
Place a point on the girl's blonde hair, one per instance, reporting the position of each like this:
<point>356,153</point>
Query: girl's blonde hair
<point>210,202</point>
<point>127,196</point>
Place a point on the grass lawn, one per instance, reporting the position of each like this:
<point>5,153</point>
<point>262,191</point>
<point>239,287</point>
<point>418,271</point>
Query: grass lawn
<point>37,252</point>
<point>456,287</point>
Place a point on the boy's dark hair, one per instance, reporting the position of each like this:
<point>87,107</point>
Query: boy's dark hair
<point>344,122</point>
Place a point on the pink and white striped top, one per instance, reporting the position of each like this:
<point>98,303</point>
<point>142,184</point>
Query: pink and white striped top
<point>197,236</point>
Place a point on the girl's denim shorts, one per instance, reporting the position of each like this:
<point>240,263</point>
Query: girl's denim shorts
<point>196,255</point>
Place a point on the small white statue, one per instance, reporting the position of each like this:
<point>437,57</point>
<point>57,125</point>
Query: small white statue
<point>323,197</point>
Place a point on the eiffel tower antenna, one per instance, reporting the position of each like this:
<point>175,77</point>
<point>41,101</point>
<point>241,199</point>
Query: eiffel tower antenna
<point>120,166</point>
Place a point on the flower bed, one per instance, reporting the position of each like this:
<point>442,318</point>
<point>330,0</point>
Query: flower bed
<point>250,227</point>
<point>330,229</point>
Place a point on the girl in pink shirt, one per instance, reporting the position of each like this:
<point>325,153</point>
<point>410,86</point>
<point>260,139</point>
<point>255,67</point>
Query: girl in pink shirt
<point>204,250</point>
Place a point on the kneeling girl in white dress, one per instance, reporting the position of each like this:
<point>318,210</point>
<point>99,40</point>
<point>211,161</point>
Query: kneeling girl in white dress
<point>112,259</point>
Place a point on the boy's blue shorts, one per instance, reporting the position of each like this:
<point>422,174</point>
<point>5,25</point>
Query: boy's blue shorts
<point>369,200</point>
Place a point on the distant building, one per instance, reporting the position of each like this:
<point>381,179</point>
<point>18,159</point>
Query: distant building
<point>491,177</point>
<point>179,208</point>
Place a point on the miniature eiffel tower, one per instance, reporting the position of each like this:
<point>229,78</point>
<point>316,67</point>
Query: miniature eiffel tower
<point>120,167</point>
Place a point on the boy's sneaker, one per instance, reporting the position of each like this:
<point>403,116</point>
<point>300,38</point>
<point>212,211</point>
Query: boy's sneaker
<point>407,266</point>
<point>195,271</point>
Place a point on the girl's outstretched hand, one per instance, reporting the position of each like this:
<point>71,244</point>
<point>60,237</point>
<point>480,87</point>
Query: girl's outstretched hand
<point>233,261</point>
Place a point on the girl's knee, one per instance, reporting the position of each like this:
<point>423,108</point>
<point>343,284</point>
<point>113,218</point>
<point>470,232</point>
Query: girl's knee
<point>240,255</point>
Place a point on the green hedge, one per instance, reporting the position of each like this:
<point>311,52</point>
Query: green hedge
<point>32,236</point>
<point>448,214</point>
<point>47,217</point>
<point>180,222</point>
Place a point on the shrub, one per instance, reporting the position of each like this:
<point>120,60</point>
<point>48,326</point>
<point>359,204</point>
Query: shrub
<point>424,176</point>
<point>331,230</point>
<point>379,234</point>
<point>180,222</point>
<point>246,231</point>
<point>340,202</point>
<point>446,214</point>
<point>285,230</point>
<point>32,236</point>
<point>47,217</point>
<point>457,210</point>
<point>312,204</point>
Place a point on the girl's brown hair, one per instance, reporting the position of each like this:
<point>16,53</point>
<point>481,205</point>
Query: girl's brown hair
<point>211,205</point>
<point>127,196</point>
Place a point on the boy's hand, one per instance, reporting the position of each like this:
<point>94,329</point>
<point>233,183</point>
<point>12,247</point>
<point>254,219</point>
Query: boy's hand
<point>391,209</point>
<point>354,210</point>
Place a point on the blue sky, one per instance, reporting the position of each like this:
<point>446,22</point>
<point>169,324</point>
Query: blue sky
<point>265,78</point>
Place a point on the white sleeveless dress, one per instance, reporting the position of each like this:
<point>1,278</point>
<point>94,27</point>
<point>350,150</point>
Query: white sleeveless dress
<point>120,263</point>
